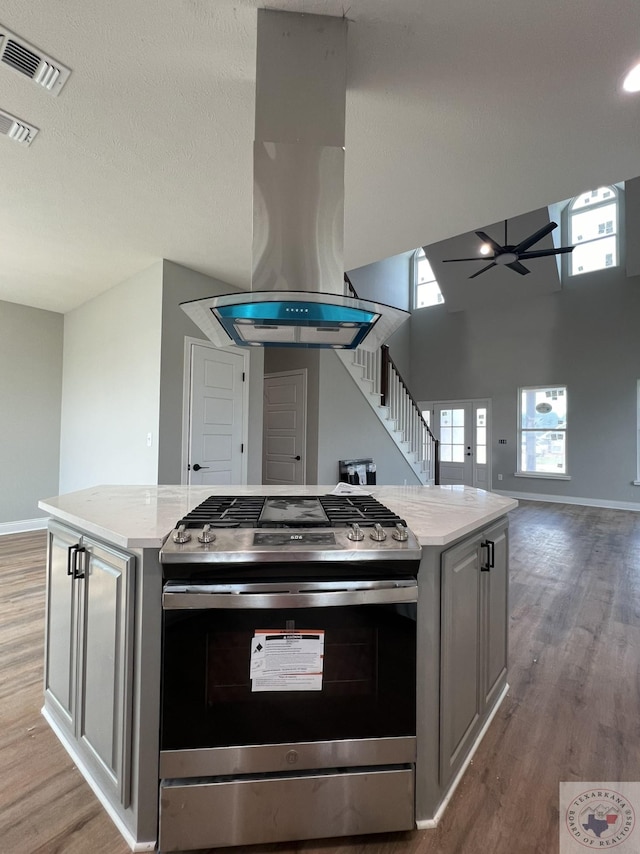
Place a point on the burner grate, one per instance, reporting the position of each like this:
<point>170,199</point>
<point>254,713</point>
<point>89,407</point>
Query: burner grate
<point>237,511</point>
<point>243,511</point>
<point>342,510</point>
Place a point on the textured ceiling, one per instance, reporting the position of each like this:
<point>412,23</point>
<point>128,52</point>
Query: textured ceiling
<point>459,114</point>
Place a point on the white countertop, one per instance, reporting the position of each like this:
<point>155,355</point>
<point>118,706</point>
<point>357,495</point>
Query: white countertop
<point>143,516</point>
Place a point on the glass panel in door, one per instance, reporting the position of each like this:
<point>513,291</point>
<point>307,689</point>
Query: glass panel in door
<point>452,424</point>
<point>481,446</point>
<point>481,435</point>
<point>366,689</point>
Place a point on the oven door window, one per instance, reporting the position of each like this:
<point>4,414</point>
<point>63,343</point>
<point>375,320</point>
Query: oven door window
<point>367,689</point>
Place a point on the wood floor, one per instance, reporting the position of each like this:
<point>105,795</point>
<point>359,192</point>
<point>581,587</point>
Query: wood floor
<point>572,712</point>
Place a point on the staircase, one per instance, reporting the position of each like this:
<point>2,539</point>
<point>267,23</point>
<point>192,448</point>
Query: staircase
<point>380,382</point>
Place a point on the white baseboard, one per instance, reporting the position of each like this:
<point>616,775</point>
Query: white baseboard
<point>568,499</point>
<point>430,823</point>
<point>23,525</point>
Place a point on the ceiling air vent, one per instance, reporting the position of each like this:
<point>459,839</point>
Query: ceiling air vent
<point>26,59</point>
<point>16,129</point>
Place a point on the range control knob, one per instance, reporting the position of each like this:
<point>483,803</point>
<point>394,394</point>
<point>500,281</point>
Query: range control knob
<point>400,532</point>
<point>181,535</point>
<point>378,533</point>
<point>207,535</point>
<point>356,533</point>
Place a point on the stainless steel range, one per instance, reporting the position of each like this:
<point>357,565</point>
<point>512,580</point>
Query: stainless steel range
<point>288,693</point>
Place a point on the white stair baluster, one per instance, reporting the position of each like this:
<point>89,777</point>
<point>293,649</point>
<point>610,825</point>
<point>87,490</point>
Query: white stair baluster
<point>399,415</point>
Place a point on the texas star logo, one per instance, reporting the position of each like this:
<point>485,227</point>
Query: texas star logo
<point>600,818</point>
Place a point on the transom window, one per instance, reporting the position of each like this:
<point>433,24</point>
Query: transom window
<point>593,231</point>
<point>542,431</point>
<point>426,290</point>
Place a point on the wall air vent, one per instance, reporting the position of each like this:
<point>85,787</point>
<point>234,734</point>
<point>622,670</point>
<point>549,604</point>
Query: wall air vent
<point>20,56</point>
<point>16,129</point>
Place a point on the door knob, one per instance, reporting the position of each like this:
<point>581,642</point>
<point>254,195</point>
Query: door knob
<point>296,458</point>
<point>197,467</point>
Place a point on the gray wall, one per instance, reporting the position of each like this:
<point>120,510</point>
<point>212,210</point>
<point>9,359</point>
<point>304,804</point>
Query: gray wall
<point>388,282</point>
<point>180,284</point>
<point>632,226</point>
<point>348,428</point>
<point>111,386</point>
<point>385,281</point>
<point>340,423</point>
<point>584,336</point>
<point>123,379</point>
<point>30,391</point>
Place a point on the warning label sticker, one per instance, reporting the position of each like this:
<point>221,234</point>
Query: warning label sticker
<point>284,660</point>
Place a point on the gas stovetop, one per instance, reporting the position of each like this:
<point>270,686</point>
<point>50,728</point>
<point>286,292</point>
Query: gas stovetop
<point>322,511</point>
<point>248,529</point>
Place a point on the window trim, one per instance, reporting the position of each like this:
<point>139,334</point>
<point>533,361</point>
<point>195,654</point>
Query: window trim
<point>570,213</point>
<point>519,472</point>
<point>414,281</point>
<point>543,475</point>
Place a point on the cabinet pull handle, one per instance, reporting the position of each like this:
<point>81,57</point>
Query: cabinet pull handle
<point>70,557</point>
<point>77,572</point>
<point>490,547</point>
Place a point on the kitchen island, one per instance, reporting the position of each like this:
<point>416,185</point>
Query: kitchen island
<point>104,625</point>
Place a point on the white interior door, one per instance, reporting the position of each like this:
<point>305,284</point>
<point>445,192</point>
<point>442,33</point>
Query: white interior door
<point>216,430</point>
<point>285,428</point>
<point>462,428</point>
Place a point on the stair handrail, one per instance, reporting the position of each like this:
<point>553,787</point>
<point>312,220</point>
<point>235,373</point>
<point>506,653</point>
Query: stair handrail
<point>388,364</point>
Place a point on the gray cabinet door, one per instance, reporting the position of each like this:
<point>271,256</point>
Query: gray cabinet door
<point>474,640</point>
<point>495,615</point>
<point>61,628</point>
<point>105,668</point>
<point>460,661</point>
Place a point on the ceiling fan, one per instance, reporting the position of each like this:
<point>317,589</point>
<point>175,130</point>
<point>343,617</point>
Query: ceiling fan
<point>510,255</point>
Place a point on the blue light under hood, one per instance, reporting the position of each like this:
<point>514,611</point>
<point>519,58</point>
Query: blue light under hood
<point>294,319</point>
<point>295,323</point>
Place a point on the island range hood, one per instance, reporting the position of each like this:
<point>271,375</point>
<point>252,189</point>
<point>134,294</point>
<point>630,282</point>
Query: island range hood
<point>297,296</point>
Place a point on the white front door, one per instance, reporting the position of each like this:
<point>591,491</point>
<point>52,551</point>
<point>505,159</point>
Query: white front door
<point>462,428</point>
<point>216,416</point>
<point>285,428</point>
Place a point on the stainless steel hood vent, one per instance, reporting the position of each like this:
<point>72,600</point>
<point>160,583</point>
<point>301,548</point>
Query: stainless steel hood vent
<point>297,296</point>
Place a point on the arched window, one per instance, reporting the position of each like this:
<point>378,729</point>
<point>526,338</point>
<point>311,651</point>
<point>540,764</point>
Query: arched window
<point>593,230</point>
<point>426,290</point>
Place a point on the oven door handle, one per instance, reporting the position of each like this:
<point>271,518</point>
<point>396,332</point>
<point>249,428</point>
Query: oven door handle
<point>202,596</point>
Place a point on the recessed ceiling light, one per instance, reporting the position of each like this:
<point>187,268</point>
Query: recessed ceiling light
<point>485,249</point>
<point>631,82</point>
